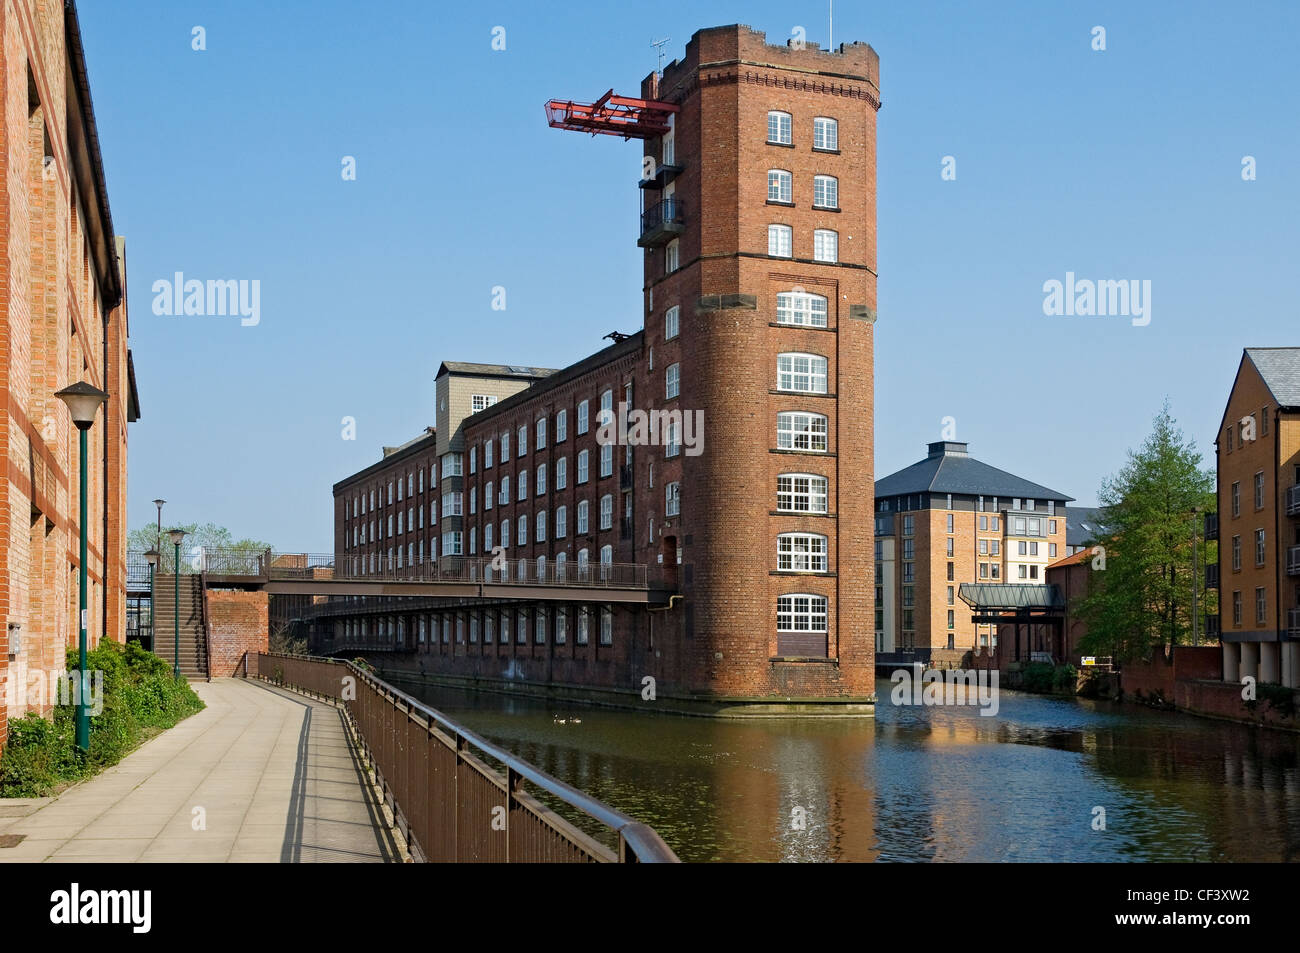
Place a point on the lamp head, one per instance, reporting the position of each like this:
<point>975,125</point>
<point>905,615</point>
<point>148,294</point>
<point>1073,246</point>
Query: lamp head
<point>176,536</point>
<point>151,557</point>
<point>83,401</point>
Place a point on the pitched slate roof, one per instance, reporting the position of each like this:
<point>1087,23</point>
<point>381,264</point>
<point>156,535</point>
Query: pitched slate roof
<point>1082,524</point>
<point>1280,369</point>
<point>950,469</point>
<point>493,370</point>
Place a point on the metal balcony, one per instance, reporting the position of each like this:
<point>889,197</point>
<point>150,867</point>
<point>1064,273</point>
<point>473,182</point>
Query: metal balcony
<point>1211,526</point>
<point>1293,500</point>
<point>1293,561</point>
<point>1293,623</point>
<point>663,174</point>
<point>1212,576</point>
<point>661,223</point>
<point>1212,630</point>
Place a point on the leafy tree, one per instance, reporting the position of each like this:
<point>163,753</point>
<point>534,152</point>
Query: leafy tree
<point>208,537</point>
<point>1142,598</point>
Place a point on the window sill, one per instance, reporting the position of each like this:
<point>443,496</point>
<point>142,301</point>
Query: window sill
<point>780,145</point>
<point>803,453</point>
<point>823,516</point>
<point>820,573</point>
<point>800,327</point>
<point>801,393</point>
<point>782,204</point>
<point>827,208</point>
<point>829,152</point>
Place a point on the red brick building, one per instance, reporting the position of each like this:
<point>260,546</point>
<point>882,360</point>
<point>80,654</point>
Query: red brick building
<point>63,284</point>
<point>749,487</point>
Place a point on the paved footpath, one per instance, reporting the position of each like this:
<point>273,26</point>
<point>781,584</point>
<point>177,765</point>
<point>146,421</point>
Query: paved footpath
<point>276,774</point>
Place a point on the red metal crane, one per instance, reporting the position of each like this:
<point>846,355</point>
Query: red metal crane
<point>612,116</point>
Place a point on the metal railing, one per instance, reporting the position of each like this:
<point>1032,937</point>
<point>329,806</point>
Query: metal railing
<point>504,571</point>
<point>1293,500</point>
<point>451,803</point>
<point>1293,623</point>
<point>666,212</point>
<point>1211,526</point>
<point>1293,561</point>
<point>1212,576</point>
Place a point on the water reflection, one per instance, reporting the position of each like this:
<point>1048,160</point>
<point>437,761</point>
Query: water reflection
<point>920,783</point>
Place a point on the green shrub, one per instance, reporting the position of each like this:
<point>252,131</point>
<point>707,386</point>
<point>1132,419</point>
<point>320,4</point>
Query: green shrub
<point>1037,677</point>
<point>140,696</point>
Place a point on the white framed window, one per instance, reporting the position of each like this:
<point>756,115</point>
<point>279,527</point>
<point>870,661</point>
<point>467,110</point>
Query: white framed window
<point>582,517</point>
<point>584,625</point>
<point>801,612</point>
<point>487,454</point>
<point>451,543</point>
<point>780,186</point>
<point>473,466</point>
<point>801,308</point>
<point>780,128</point>
<point>804,373</point>
<point>561,425</point>
<point>504,496</point>
<point>780,241</point>
<point>505,533</point>
<point>473,505</point>
<point>473,540</point>
<point>451,504</point>
<point>672,381</point>
<point>541,433</point>
<point>561,521</point>
<point>505,447</point>
<point>487,495</point>
<point>541,479</point>
<point>561,473</point>
<point>801,552</point>
<point>561,623</point>
<point>801,493</point>
<point>523,441</point>
<point>452,465</point>
<point>582,466</point>
<point>672,443</point>
<point>606,625</point>
<point>582,418</point>
<point>672,499</point>
<point>826,134</point>
<point>487,537</point>
<point>482,401</point>
<point>541,526</point>
<point>521,530</point>
<point>540,621</point>
<point>671,320</point>
<point>523,485</point>
<point>606,511</point>
<point>798,430</point>
<point>826,245</point>
<point>606,459</point>
<point>826,191</point>
<point>672,256</point>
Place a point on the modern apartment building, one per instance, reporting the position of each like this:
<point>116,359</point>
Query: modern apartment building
<point>1258,524</point>
<point>63,287</point>
<point>946,520</point>
<point>746,490</point>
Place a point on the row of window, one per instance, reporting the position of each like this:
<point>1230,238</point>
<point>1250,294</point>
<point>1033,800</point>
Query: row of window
<point>1259,492</point>
<point>826,189</point>
<point>917,501</point>
<point>491,622</point>
<point>1248,428</point>
<point>1260,549</point>
<point>780,131</point>
<point>1261,606</point>
<point>826,243</point>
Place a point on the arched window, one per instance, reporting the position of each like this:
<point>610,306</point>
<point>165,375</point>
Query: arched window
<point>804,373</point>
<point>780,186</point>
<point>801,308</point>
<point>801,493</point>
<point>801,552</point>
<point>797,430</point>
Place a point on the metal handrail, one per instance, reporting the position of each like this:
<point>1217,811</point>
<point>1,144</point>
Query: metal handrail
<point>638,841</point>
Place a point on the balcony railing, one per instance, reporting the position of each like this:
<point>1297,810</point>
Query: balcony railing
<point>1293,623</point>
<point>1293,561</point>
<point>662,222</point>
<point>1293,500</point>
<point>1211,526</point>
<point>1212,629</point>
<point>518,572</point>
<point>1212,576</point>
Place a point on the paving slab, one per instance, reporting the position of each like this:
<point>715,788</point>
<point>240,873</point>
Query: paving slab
<point>260,775</point>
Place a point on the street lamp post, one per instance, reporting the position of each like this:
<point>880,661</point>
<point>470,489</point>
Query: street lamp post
<point>152,556</point>
<point>1196,569</point>
<point>83,402</point>
<point>176,536</point>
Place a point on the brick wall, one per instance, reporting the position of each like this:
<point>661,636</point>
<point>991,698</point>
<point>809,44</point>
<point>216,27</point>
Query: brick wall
<point>237,623</point>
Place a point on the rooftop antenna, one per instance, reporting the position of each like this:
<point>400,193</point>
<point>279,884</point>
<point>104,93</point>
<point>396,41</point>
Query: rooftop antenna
<point>659,46</point>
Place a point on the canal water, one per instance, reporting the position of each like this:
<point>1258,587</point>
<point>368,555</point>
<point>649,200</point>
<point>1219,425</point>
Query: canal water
<point>921,783</point>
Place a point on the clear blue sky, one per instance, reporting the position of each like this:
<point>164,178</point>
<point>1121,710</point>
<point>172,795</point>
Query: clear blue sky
<point>1118,164</point>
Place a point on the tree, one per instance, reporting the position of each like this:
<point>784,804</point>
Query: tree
<point>1140,594</point>
<point>208,537</point>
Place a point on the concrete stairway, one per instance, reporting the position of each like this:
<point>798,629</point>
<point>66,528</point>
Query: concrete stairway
<point>193,641</point>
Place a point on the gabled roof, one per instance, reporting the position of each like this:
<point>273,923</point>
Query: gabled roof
<point>950,469</point>
<point>1280,369</point>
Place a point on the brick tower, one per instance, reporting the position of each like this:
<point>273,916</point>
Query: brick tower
<point>759,229</point>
